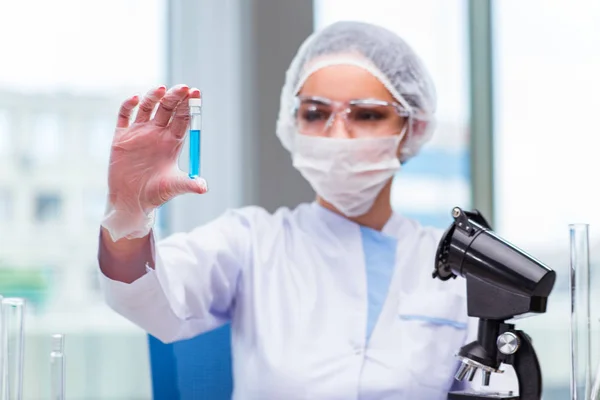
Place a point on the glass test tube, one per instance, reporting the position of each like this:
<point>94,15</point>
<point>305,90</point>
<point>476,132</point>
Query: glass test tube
<point>3,348</point>
<point>580,312</point>
<point>13,315</point>
<point>57,368</point>
<point>195,137</point>
<point>596,384</point>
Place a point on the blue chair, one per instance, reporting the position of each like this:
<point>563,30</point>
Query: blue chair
<point>198,368</point>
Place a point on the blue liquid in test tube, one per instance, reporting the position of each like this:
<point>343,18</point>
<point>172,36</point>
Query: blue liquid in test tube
<point>195,137</point>
<point>195,144</point>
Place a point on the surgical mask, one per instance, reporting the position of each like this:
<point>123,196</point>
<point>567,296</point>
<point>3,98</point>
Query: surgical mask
<point>347,173</point>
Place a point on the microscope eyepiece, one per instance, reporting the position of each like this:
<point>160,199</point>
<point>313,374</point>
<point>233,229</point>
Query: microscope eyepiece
<point>496,271</point>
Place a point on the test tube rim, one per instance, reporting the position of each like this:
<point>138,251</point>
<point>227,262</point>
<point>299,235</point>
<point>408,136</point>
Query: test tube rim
<point>13,301</point>
<point>195,102</point>
<point>579,225</point>
<point>58,342</point>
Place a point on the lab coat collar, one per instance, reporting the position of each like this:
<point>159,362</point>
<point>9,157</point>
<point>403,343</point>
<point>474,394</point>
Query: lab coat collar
<point>391,228</point>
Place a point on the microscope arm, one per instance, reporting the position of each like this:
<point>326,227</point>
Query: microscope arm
<point>527,368</point>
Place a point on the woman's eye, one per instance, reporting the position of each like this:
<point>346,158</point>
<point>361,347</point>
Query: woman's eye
<point>314,115</point>
<point>369,115</point>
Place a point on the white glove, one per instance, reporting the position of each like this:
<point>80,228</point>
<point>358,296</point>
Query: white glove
<point>143,172</point>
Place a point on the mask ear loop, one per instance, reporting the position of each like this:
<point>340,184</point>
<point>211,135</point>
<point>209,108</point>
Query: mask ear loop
<point>409,129</point>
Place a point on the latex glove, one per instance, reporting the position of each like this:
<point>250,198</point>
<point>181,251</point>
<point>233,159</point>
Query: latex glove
<point>143,172</point>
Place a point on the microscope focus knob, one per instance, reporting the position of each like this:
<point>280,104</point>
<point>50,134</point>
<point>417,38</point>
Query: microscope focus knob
<point>508,343</point>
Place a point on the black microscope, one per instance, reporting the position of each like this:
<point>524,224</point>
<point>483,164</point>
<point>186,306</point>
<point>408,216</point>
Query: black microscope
<point>503,283</point>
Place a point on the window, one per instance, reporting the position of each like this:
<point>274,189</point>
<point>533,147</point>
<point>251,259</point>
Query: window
<point>546,64</point>
<point>48,208</point>
<point>429,185</point>
<point>47,138</point>
<point>6,206</point>
<point>94,204</point>
<point>99,138</point>
<point>82,60</point>
<point>5,142</point>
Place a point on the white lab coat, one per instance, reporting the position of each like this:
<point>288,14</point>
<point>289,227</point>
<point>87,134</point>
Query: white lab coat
<point>293,286</point>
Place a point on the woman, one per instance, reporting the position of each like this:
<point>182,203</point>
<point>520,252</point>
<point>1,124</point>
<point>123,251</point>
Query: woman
<point>330,300</point>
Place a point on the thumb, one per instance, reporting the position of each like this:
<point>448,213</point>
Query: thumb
<point>183,184</point>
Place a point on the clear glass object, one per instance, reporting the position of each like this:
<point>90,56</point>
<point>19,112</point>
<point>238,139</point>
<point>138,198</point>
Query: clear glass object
<point>13,318</point>
<point>57,368</point>
<point>596,384</point>
<point>3,348</point>
<point>195,137</point>
<point>580,312</point>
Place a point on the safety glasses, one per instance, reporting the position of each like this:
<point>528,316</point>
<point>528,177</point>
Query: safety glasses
<point>362,118</point>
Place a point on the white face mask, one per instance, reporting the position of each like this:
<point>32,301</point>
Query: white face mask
<point>348,173</point>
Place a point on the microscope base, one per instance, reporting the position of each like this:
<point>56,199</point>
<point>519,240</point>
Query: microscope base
<point>481,396</point>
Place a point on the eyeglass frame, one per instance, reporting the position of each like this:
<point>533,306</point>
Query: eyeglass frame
<point>343,107</point>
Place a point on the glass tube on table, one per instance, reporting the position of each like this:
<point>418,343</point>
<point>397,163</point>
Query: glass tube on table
<point>596,384</point>
<point>3,349</point>
<point>580,312</point>
<point>195,137</point>
<point>13,315</point>
<point>57,367</point>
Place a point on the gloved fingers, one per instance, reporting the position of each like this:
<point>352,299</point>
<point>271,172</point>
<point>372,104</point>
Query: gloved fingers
<point>148,103</point>
<point>125,111</point>
<point>183,184</point>
<point>169,103</point>
<point>180,120</point>
<point>178,184</point>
